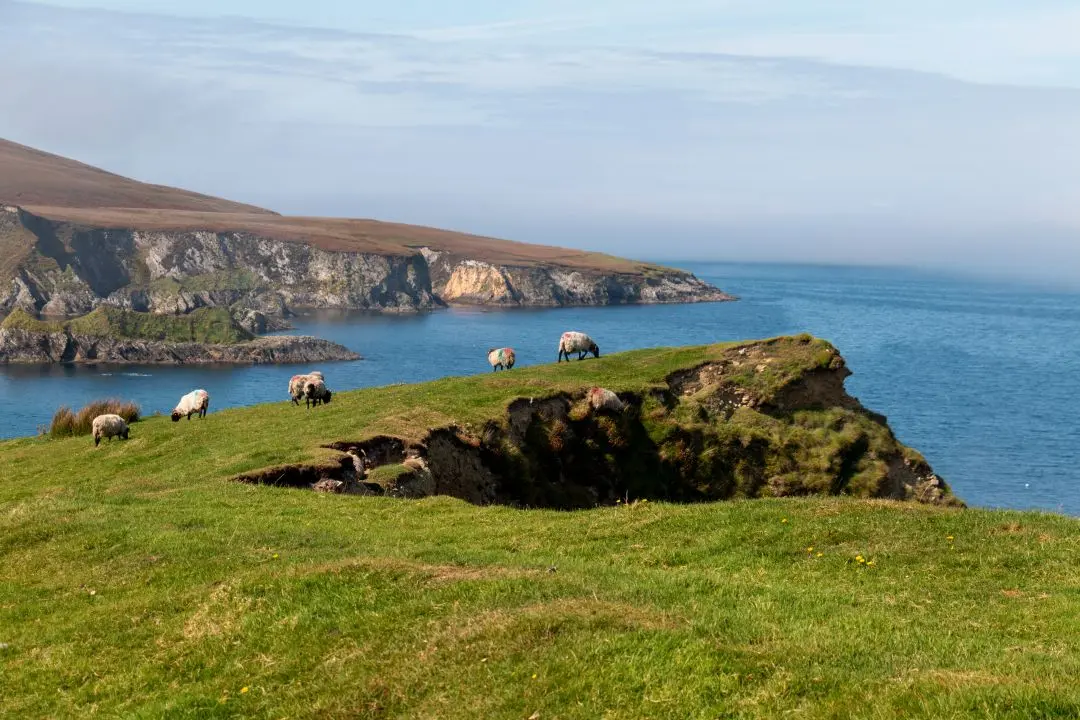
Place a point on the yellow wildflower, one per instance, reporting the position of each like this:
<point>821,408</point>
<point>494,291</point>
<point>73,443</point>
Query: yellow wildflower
<point>784,520</point>
<point>869,563</point>
<point>243,690</point>
<point>809,549</point>
<point>821,554</point>
<point>950,538</point>
<point>860,559</point>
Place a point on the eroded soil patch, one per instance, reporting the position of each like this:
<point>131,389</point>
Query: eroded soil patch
<point>750,424</point>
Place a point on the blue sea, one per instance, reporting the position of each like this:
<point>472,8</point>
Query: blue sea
<point>979,376</point>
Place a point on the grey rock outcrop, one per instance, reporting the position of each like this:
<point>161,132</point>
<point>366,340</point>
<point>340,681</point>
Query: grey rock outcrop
<point>70,269</point>
<point>28,347</point>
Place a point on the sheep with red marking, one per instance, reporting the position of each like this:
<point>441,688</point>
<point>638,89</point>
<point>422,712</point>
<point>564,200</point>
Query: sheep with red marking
<point>297,384</point>
<point>501,358</point>
<point>603,399</point>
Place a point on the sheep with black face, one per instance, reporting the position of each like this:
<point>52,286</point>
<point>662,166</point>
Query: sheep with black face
<point>578,342</point>
<point>109,426</point>
<point>316,392</point>
<point>196,402</point>
<point>297,384</point>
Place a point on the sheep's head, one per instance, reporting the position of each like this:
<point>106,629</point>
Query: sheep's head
<point>326,396</point>
<point>175,416</point>
<point>595,350</point>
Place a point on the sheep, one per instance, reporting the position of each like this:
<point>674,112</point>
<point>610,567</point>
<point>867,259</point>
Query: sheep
<point>316,392</point>
<point>603,399</point>
<point>501,358</point>
<point>196,402</point>
<point>578,342</point>
<point>109,426</point>
<point>297,383</point>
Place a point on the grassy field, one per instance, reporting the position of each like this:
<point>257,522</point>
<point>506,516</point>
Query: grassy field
<point>136,581</point>
<point>204,325</point>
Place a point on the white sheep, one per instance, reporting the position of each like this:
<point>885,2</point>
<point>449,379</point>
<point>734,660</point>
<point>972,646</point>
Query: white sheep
<point>501,358</point>
<point>316,392</point>
<point>603,399</point>
<point>578,342</point>
<point>297,383</point>
<point>196,402</point>
<point>109,426</point>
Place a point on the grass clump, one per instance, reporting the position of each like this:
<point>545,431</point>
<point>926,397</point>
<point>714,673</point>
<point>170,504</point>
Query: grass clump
<point>205,325</point>
<point>68,423</point>
<point>19,319</point>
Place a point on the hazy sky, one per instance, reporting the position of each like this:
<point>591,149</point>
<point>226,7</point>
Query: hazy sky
<point>830,130</point>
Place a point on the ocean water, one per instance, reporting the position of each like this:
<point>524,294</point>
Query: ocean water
<point>980,377</point>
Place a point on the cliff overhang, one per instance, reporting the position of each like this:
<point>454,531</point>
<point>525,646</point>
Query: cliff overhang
<point>763,419</point>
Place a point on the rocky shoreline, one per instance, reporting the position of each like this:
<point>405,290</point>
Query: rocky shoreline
<point>28,347</point>
<point>70,268</point>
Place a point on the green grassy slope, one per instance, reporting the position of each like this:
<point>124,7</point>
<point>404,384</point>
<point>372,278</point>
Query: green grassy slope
<point>136,581</point>
<point>205,325</point>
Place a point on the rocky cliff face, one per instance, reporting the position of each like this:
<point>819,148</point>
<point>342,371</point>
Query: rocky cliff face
<point>68,269</point>
<point>766,419</point>
<point>23,346</point>
<point>462,280</point>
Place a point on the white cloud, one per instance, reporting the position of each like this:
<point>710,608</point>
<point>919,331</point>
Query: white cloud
<point>505,138</point>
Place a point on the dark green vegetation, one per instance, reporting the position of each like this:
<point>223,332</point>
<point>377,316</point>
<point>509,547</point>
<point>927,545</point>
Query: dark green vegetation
<point>68,423</point>
<point>204,325</point>
<point>137,581</point>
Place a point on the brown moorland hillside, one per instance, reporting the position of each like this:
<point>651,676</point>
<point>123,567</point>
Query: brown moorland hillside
<point>34,177</point>
<point>68,191</point>
<point>341,235</point>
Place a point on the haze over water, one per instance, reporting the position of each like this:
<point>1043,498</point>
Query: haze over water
<point>975,375</point>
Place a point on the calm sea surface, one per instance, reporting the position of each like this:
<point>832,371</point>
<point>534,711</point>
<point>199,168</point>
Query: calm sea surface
<point>980,377</point>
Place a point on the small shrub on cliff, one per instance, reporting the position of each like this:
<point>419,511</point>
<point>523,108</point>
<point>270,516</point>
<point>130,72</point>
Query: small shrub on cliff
<point>67,423</point>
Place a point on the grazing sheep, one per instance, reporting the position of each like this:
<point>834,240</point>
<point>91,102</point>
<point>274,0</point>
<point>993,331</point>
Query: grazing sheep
<point>297,383</point>
<point>196,402</point>
<point>109,426</point>
<point>501,358</point>
<point>315,392</point>
<point>577,342</point>
<point>604,399</point>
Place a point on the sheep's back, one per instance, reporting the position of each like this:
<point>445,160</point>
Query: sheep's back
<point>108,425</point>
<point>574,341</point>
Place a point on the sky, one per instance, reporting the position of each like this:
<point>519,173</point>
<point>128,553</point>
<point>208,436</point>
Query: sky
<point>909,132</point>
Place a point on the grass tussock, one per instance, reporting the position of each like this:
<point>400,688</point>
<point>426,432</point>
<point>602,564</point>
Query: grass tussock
<point>204,325</point>
<point>68,423</point>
